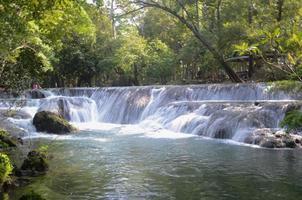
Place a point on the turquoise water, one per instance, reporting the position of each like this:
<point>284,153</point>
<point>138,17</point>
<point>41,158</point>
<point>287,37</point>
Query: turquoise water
<point>110,165</point>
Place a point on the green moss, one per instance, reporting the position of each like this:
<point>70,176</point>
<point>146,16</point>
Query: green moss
<point>292,121</point>
<point>32,196</point>
<point>10,113</point>
<point>287,85</point>
<point>5,168</point>
<point>4,196</point>
<point>3,133</point>
<point>52,123</point>
<point>5,140</point>
<point>36,162</point>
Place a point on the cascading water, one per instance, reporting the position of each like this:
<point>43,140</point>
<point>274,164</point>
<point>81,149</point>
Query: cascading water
<point>231,111</point>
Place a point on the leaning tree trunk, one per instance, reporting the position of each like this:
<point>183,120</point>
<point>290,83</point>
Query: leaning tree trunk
<point>195,30</point>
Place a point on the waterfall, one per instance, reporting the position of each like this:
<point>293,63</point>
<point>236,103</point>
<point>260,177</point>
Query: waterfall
<point>231,111</point>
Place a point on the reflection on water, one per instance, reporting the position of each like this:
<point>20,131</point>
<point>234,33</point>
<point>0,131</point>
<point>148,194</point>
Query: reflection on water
<point>107,165</point>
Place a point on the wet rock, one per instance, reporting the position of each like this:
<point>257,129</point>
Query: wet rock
<point>279,134</point>
<point>52,123</point>
<point>32,196</point>
<point>35,94</point>
<point>34,164</point>
<point>270,138</point>
<point>271,142</point>
<point>16,114</point>
<point>289,142</point>
<point>5,169</point>
<point>6,140</point>
<point>221,134</point>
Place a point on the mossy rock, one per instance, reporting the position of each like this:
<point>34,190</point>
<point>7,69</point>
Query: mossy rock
<point>49,122</point>
<point>35,163</point>
<point>32,196</point>
<point>5,168</point>
<point>6,140</point>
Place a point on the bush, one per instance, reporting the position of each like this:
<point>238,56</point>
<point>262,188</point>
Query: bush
<point>287,85</point>
<point>5,168</point>
<point>292,121</point>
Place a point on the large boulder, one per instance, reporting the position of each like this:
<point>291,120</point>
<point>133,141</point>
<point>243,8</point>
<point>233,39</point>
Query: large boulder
<point>49,122</point>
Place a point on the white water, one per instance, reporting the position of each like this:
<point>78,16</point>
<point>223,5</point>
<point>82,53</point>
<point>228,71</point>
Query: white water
<point>215,111</point>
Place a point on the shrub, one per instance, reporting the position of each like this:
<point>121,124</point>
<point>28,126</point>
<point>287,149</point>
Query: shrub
<point>287,85</point>
<point>292,121</point>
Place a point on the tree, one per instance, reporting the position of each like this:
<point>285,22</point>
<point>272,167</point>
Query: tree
<point>31,33</point>
<point>160,62</point>
<point>182,11</point>
<point>131,54</point>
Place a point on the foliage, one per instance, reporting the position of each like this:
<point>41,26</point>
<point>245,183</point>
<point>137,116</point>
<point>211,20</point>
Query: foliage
<point>293,87</point>
<point>5,168</point>
<point>292,121</point>
<point>76,43</point>
<point>31,33</point>
<point>160,62</point>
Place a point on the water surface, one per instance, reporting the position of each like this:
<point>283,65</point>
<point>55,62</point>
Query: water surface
<point>124,163</point>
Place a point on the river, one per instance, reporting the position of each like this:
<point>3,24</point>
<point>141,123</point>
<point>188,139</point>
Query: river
<point>157,142</point>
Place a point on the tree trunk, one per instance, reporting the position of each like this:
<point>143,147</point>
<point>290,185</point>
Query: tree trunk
<point>251,67</point>
<point>135,75</point>
<point>250,12</point>
<point>112,18</point>
<point>203,40</point>
<point>280,4</point>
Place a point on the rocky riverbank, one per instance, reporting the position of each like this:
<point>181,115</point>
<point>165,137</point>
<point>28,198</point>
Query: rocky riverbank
<point>19,160</point>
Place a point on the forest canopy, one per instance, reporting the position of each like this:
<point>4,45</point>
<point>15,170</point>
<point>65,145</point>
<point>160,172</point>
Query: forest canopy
<point>66,43</point>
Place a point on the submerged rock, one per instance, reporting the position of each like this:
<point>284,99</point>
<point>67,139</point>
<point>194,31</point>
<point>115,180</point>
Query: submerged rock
<point>34,164</point>
<point>32,196</point>
<point>52,123</point>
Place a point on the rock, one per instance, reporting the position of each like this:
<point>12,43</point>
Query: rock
<point>272,143</point>
<point>5,169</point>
<point>35,94</point>
<point>270,138</point>
<point>34,164</point>
<point>32,196</point>
<point>279,134</point>
<point>49,122</point>
<point>5,140</point>
<point>289,142</point>
<point>268,143</point>
<point>16,114</point>
<point>221,134</point>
